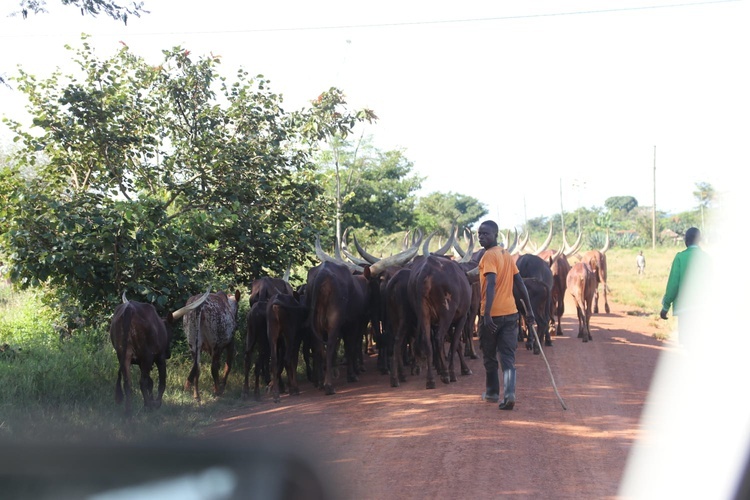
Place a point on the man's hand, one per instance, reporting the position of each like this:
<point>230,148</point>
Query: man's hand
<point>488,323</point>
<point>663,314</point>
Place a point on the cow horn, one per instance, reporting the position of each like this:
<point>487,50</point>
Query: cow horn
<point>288,272</point>
<point>426,246</point>
<point>395,260</point>
<point>576,246</point>
<point>324,257</point>
<point>546,242</point>
<point>473,272</point>
<point>606,243</point>
<point>124,299</point>
<point>466,257</point>
<point>521,245</point>
<point>512,247</point>
<point>448,244</point>
<point>371,259</point>
<point>457,246</point>
<point>183,310</point>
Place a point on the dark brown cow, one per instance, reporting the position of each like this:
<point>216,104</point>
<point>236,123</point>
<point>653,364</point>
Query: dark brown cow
<point>597,260</point>
<point>539,296</point>
<point>341,307</point>
<point>140,337</point>
<point>533,266</point>
<point>262,291</point>
<point>440,294</point>
<point>287,331</point>
<point>210,327</point>
<point>582,286</point>
<point>401,323</point>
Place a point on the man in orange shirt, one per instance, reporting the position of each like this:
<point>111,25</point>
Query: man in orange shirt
<point>498,329</point>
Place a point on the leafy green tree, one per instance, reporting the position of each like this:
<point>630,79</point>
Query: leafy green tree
<point>156,181</point>
<point>377,187</point>
<point>330,121</point>
<point>704,193</point>
<point>438,211</point>
<point>87,7</point>
<point>621,203</point>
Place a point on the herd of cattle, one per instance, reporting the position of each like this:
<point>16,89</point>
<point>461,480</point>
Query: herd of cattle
<point>416,309</point>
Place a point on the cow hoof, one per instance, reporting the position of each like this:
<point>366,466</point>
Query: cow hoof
<point>276,399</point>
<point>352,378</point>
<point>467,372</point>
<point>430,384</point>
<point>445,379</point>
<point>402,378</point>
<point>548,343</point>
<point>453,377</point>
<point>394,382</point>
<point>528,346</point>
<point>329,390</point>
<point>606,308</point>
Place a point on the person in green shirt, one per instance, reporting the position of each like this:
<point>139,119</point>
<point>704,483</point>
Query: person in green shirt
<point>675,296</point>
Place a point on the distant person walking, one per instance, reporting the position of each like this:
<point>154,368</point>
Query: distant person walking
<point>677,295</point>
<point>640,261</point>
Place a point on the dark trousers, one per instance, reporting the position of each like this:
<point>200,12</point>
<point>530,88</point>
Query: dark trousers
<point>503,341</point>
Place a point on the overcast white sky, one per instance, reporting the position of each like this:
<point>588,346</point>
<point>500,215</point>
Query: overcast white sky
<point>506,101</point>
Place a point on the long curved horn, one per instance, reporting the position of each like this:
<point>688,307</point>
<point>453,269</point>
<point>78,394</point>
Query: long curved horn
<point>557,255</point>
<point>546,242</point>
<point>371,259</point>
<point>521,245</point>
<point>466,257</point>
<point>576,246</point>
<point>124,299</point>
<point>515,241</point>
<point>324,257</point>
<point>183,310</point>
<point>426,245</point>
<point>606,243</point>
<point>457,246</point>
<point>395,260</point>
<point>448,244</point>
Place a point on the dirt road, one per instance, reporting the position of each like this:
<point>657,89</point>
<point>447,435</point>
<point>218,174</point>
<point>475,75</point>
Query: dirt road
<point>373,441</point>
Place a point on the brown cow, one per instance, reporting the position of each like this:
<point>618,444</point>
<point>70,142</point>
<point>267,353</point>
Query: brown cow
<point>597,260</point>
<point>582,286</point>
<point>440,294</point>
<point>210,327</point>
<point>140,337</point>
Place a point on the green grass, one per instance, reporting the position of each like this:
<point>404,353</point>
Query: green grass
<point>64,389</point>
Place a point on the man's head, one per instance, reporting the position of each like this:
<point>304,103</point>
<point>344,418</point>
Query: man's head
<point>487,234</point>
<point>692,236</point>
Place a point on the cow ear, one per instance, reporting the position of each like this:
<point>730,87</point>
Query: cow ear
<point>367,272</point>
<point>237,295</point>
<point>170,318</point>
<point>295,294</point>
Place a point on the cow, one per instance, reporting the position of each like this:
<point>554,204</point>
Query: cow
<point>560,267</point>
<point>582,286</point>
<point>262,290</point>
<point>533,266</point>
<point>440,294</point>
<point>287,332</point>
<point>401,323</point>
<point>341,306</point>
<point>210,327</point>
<point>597,261</point>
<point>140,337</point>
<point>539,297</point>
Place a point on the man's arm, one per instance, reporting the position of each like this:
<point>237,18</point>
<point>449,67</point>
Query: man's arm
<point>673,286</point>
<point>489,279</point>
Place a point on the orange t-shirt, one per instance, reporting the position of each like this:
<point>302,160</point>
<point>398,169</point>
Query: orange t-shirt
<point>497,260</point>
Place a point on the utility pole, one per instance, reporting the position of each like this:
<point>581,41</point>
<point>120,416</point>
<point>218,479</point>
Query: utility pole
<point>562,217</point>
<point>653,209</point>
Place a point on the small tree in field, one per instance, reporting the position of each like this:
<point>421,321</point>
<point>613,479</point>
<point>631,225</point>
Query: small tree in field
<point>704,193</point>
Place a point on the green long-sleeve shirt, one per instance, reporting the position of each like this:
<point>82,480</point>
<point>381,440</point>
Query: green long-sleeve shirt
<point>680,265</point>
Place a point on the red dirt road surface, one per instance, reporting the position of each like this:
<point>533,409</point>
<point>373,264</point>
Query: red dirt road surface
<point>370,440</point>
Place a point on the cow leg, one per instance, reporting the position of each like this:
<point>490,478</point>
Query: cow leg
<point>596,300</point>
<point>146,383</point>
<point>352,350</point>
<point>275,372</point>
<point>291,361</point>
<point>118,385</point>
<point>332,345</point>
<point>161,366</point>
<point>606,303</point>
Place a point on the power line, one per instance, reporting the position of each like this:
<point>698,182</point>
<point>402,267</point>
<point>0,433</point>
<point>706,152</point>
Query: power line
<point>426,23</point>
